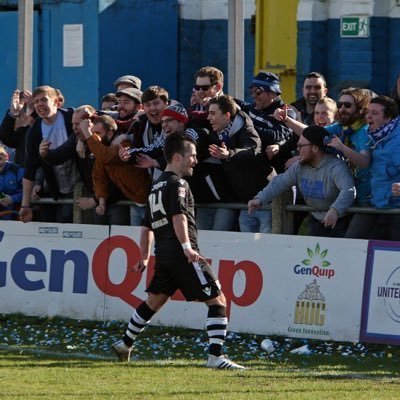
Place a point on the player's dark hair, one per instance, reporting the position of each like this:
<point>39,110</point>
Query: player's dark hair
<point>176,143</point>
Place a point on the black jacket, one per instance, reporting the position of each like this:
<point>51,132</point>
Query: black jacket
<point>14,138</point>
<point>272,132</point>
<point>237,178</point>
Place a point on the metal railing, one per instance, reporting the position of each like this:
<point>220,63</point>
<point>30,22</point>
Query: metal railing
<point>282,208</point>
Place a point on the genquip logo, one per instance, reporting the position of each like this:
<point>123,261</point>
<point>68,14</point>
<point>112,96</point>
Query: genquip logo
<point>316,264</point>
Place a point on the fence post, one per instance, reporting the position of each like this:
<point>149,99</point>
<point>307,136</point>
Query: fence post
<point>282,220</point>
<point>80,216</point>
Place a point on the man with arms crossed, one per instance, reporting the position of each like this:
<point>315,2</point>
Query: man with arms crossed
<point>170,220</point>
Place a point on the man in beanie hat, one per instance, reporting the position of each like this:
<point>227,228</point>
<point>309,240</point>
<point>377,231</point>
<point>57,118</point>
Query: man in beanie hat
<point>174,120</point>
<point>324,180</point>
<point>277,140</point>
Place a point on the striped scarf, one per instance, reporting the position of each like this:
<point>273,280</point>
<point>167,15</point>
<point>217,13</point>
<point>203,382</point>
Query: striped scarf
<point>385,130</point>
<point>224,136</point>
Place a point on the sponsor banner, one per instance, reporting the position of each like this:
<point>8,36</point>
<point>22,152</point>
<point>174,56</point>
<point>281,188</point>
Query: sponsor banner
<point>313,287</point>
<point>273,284</point>
<point>295,286</point>
<point>46,269</point>
<point>381,300</point>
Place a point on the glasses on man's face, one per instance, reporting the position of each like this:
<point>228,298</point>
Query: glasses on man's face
<point>255,91</point>
<point>300,146</point>
<point>204,88</point>
<point>346,104</point>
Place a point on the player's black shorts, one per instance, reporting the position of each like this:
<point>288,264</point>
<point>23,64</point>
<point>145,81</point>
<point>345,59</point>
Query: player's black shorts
<point>197,281</point>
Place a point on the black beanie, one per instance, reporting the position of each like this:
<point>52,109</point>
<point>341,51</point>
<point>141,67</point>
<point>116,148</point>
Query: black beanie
<point>318,136</point>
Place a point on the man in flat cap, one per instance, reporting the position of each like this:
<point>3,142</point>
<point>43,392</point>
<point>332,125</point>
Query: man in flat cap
<point>324,180</point>
<point>129,103</point>
<point>128,81</point>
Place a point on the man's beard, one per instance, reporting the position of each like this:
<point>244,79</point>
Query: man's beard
<point>304,162</point>
<point>347,119</point>
<point>126,117</point>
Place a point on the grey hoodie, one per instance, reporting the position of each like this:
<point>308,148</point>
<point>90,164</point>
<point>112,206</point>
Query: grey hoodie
<point>329,185</point>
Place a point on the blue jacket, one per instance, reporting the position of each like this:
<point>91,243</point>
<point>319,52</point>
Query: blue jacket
<point>385,169</point>
<point>359,141</point>
<point>11,183</point>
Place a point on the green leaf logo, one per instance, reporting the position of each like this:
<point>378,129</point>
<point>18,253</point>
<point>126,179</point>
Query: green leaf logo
<point>316,257</point>
<point>326,263</point>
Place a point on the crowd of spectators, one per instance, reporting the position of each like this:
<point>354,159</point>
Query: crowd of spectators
<point>330,155</point>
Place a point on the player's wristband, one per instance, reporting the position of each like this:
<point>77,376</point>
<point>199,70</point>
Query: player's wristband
<point>186,246</point>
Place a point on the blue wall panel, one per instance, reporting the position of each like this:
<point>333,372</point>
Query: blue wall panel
<point>189,57</point>
<point>372,62</point>
<point>139,38</point>
<point>78,84</point>
<point>203,43</point>
<point>393,53</point>
<point>311,50</point>
<point>380,55</point>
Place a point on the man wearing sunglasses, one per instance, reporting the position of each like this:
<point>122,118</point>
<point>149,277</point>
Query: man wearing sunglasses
<point>349,136</point>
<point>209,82</point>
<point>277,139</point>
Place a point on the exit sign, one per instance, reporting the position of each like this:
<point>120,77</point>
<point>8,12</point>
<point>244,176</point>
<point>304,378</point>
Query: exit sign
<point>354,26</point>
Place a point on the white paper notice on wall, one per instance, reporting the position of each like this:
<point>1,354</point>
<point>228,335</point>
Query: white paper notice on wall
<point>73,45</point>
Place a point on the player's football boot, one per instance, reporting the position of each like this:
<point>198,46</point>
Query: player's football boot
<point>122,351</point>
<point>222,362</point>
